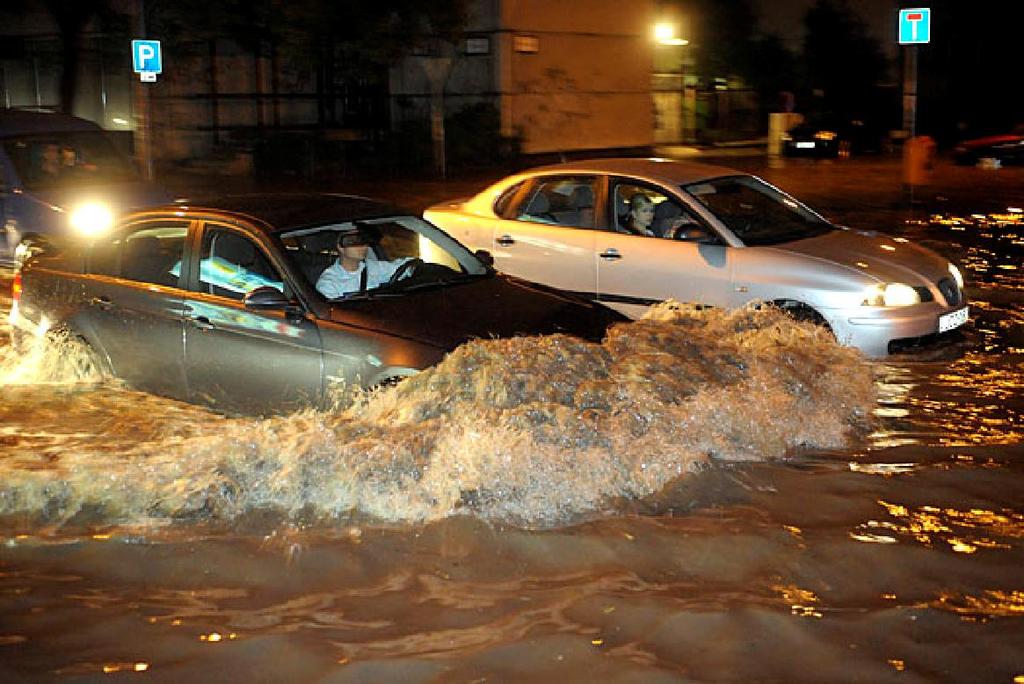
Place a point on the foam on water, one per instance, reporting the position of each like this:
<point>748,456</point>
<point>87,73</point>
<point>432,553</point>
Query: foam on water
<point>535,430</point>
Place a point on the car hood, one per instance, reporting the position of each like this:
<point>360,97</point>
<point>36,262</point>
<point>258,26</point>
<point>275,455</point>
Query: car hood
<point>882,257</point>
<point>122,197</point>
<point>492,306</point>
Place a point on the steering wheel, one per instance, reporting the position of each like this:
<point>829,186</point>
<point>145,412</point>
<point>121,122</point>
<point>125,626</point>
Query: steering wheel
<point>405,270</point>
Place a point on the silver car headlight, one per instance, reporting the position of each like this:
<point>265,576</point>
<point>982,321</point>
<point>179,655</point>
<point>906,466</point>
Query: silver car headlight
<point>957,276</point>
<point>890,294</point>
<point>91,219</point>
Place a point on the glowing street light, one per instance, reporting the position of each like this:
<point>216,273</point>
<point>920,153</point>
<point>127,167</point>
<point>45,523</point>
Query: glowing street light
<point>665,34</point>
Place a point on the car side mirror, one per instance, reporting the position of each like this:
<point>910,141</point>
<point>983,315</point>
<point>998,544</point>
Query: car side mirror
<point>266,298</point>
<point>486,257</point>
<point>692,233</point>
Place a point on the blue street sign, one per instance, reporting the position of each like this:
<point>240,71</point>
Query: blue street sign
<point>146,56</point>
<point>915,26</point>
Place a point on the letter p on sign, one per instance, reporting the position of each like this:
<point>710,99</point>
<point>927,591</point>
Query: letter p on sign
<point>146,56</point>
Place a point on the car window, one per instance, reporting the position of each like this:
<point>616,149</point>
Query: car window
<point>68,158</point>
<point>397,254</point>
<point>504,201</point>
<point>561,200</point>
<point>756,212</point>
<point>644,210</point>
<point>146,253</point>
<point>231,265</point>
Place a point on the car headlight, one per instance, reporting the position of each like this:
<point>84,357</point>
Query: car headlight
<point>91,219</point>
<point>890,294</point>
<point>957,276</point>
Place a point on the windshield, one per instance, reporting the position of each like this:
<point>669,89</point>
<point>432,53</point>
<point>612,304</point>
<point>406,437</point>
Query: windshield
<point>757,213</point>
<point>384,256</point>
<point>51,160</point>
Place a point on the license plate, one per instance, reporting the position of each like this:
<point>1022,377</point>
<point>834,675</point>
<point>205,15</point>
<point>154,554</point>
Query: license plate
<point>805,145</point>
<point>952,320</point>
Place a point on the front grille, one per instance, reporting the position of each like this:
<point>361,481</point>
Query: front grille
<point>950,292</point>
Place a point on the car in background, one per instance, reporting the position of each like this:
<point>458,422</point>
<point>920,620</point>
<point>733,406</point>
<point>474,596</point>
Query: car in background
<point>217,304</point>
<point>720,238</point>
<point>1008,148</point>
<point>59,176</point>
<point>831,138</point>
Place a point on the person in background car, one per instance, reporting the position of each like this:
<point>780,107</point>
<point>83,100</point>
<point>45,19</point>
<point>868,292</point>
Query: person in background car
<point>641,215</point>
<point>355,270</point>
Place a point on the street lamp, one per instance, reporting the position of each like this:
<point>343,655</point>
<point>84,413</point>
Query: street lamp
<point>665,34</point>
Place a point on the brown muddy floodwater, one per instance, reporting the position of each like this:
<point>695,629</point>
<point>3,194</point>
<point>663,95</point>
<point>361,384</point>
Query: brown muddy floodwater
<point>703,497</point>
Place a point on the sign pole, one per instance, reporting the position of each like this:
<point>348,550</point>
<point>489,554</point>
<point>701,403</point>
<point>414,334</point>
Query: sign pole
<point>910,89</point>
<point>143,131</point>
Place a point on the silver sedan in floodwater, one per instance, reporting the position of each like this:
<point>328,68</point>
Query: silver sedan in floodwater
<point>632,232</point>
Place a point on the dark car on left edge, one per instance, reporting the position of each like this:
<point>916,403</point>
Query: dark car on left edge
<point>62,175</point>
<point>217,304</point>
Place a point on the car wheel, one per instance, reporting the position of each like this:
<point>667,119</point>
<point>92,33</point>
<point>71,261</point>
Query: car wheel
<point>76,359</point>
<point>799,311</point>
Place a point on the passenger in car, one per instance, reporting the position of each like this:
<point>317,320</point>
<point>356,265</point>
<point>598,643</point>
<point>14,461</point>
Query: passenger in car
<point>355,270</point>
<point>640,216</point>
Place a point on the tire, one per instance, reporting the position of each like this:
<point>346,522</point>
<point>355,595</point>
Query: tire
<point>803,313</point>
<point>76,360</point>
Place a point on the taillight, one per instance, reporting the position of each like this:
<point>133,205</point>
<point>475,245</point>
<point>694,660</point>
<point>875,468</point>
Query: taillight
<point>16,288</point>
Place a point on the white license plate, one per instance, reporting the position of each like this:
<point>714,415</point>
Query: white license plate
<point>952,320</point>
<point>805,145</point>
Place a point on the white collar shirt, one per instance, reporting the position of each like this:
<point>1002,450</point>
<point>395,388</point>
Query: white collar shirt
<point>336,281</point>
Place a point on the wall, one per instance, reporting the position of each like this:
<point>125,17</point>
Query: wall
<point>587,85</point>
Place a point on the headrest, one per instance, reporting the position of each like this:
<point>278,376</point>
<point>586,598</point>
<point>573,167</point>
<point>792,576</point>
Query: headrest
<point>142,246</point>
<point>583,197</point>
<point>539,204</point>
<point>234,248</point>
<point>665,210</point>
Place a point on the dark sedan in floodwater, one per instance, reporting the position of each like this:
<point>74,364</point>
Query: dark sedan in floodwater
<point>225,304</point>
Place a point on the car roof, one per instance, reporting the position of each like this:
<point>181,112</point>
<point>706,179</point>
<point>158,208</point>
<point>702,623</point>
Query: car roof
<point>17,122</point>
<point>280,212</point>
<point>668,171</point>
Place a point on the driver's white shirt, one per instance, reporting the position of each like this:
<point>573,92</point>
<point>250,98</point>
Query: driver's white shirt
<point>335,281</point>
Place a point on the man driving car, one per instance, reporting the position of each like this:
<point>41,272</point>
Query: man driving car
<point>355,269</point>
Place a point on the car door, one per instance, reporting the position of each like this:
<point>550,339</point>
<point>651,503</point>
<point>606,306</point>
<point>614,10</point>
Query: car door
<point>546,234</point>
<point>133,303</point>
<point>239,359</point>
<point>684,259</point>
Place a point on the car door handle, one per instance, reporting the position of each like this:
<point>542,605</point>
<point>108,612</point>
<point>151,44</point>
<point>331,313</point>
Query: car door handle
<point>203,323</point>
<point>505,240</point>
<point>610,254</point>
<point>102,303</point>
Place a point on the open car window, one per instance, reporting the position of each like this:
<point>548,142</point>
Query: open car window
<point>403,253</point>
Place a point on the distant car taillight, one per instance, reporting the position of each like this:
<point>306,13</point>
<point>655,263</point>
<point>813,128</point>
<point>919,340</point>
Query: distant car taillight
<point>16,288</point>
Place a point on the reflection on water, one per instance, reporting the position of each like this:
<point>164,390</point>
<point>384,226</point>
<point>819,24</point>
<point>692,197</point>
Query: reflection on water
<point>702,498</point>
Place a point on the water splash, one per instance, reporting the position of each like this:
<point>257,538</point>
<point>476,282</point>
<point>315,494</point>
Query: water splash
<point>534,430</point>
<point>55,359</point>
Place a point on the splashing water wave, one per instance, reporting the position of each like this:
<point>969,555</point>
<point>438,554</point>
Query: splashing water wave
<point>533,430</point>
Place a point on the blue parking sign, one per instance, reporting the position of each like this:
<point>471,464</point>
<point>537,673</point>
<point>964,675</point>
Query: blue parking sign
<point>146,56</point>
<point>915,26</point>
